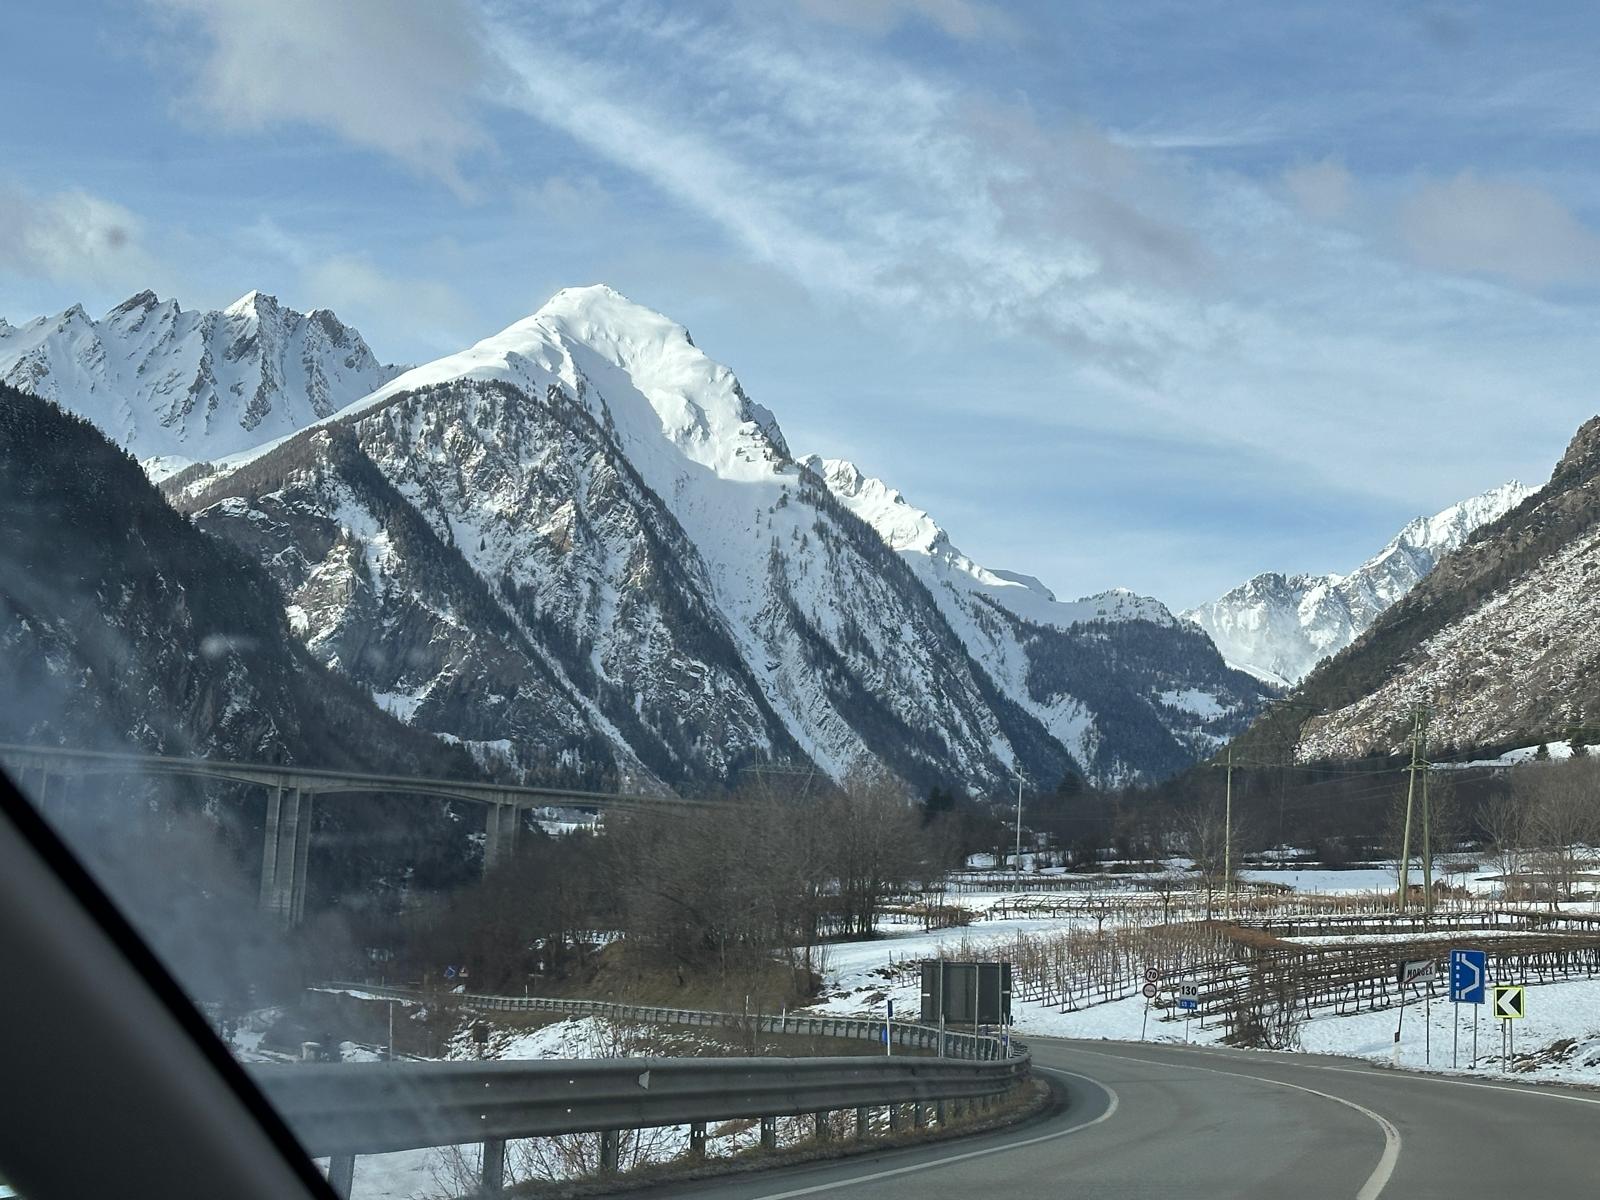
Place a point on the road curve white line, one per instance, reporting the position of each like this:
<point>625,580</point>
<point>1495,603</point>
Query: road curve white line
<point>964,1156</point>
<point>1288,1058</point>
<point>1376,1182</point>
<point>1527,1089</point>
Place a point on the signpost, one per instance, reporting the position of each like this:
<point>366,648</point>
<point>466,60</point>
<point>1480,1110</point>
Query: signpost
<point>1469,972</point>
<point>1510,1003</point>
<point>1411,972</point>
<point>1149,991</point>
<point>888,1030</point>
<point>1188,1001</point>
<point>1416,970</point>
<point>966,993</point>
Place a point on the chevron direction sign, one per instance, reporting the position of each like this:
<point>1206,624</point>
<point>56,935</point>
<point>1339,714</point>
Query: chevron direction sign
<point>1510,1001</point>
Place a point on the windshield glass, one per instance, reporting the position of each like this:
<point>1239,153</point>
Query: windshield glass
<point>1109,573</point>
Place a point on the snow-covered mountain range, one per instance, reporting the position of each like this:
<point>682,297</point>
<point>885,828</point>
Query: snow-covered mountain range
<point>170,386</point>
<point>580,547</point>
<point>1278,627</point>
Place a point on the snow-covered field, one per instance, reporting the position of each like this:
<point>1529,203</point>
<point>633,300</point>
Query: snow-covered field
<point>863,974</point>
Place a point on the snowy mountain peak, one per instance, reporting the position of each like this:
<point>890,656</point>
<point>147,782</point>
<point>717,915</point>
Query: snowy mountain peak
<point>1278,627</point>
<point>254,303</point>
<point>902,526</point>
<point>139,302</point>
<point>172,386</point>
<point>636,371</point>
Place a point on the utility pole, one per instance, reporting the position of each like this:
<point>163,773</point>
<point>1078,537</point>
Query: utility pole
<point>1411,789</point>
<point>1019,820</point>
<point>1227,840</point>
<point>1427,844</point>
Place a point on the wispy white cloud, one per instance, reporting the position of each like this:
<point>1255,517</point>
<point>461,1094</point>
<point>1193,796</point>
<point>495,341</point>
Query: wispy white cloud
<point>863,177</point>
<point>964,19</point>
<point>70,237</point>
<point>1500,228</point>
<point>397,75</point>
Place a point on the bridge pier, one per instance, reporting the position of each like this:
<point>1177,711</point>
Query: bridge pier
<point>500,824</point>
<point>285,852</point>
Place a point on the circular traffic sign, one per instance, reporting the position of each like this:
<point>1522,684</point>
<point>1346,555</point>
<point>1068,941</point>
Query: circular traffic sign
<point>1151,975</point>
<point>1150,991</point>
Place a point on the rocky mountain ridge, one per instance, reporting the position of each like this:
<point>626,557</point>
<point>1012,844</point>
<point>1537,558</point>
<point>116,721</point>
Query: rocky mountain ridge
<point>172,386</point>
<point>580,548</point>
<point>1500,642</point>
<point>1278,627</point>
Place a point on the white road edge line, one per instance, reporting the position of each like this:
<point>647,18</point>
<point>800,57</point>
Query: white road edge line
<point>970,1154</point>
<point>1376,1182</point>
<point>1528,1089</point>
<point>1541,1091</point>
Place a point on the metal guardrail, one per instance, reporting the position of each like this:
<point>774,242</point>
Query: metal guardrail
<point>946,1043</point>
<point>373,1108</point>
<point>342,1110</point>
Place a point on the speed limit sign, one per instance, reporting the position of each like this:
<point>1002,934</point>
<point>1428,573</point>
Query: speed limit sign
<point>1151,975</point>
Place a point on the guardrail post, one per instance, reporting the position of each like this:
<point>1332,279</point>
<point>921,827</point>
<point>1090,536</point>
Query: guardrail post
<point>821,1126</point>
<point>862,1118</point>
<point>769,1133</point>
<point>939,1111</point>
<point>919,1115</point>
<point>697,1140</point>
<point>494,1166</point>
<point>897,1118</point>
<point>342,1174</point>
<point>608,1151</point>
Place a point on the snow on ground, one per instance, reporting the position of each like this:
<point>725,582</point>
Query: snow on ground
<point>1409,935</point>
<point>412,1173</point>
<point>1368,879</point>
<point>1559,1041</point>
<point>1201,704</point>
<point>1556,1011</point>
<point>1510,758</point>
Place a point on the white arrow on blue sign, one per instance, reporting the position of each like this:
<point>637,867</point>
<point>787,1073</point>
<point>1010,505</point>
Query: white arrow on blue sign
<point>1469,970</point>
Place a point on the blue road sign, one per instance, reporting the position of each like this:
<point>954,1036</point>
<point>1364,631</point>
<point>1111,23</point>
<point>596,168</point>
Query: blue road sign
<point>1469,972</point>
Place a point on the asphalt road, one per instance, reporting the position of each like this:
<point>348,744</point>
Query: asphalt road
<point>1146,1120</point>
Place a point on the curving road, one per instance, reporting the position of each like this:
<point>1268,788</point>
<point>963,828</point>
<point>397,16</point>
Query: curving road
<point>1147,1120</point>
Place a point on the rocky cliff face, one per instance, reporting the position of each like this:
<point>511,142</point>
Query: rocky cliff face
<point>1127,688</point>
<point>123,626</point>
<point>120,623</point>
<point>1501,641</point>
<point>689,596</point>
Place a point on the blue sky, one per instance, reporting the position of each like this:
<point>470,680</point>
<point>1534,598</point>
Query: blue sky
<point>1152,295</point>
